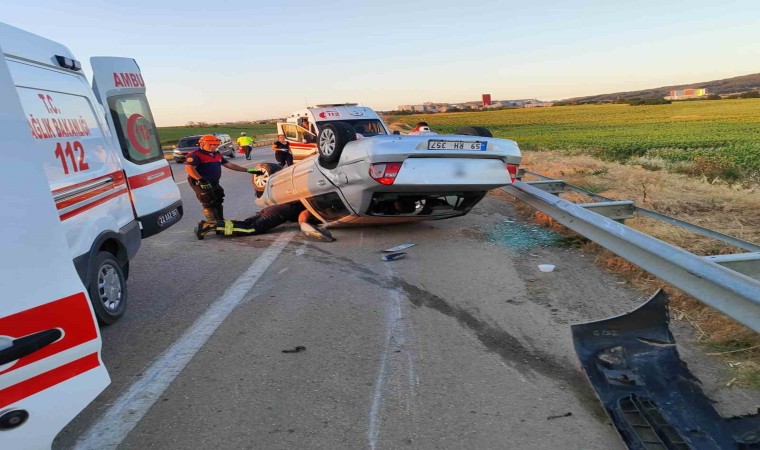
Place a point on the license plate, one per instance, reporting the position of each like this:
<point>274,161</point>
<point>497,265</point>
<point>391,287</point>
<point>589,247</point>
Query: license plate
<point>168,218</point>
<point>457,145</point>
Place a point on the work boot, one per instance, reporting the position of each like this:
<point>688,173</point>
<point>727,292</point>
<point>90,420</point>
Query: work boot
<point>203,227</point>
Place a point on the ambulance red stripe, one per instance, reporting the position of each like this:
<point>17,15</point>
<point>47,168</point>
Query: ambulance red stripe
<point>39,383</point>
<point>89,206</point>
<point>117,176</point>
<point>148,178</point>
<point>86,195</point>
<point>65,313</point>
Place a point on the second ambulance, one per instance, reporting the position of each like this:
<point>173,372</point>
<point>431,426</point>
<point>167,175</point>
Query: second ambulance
<point>101,155</point>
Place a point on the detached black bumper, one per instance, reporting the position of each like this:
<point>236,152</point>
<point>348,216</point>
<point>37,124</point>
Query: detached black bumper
<point>653,399</point>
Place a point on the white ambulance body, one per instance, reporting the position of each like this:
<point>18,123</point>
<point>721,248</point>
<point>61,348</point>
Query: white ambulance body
<point>50,365</point>
<point>100,153</point>
<point>303,126</point>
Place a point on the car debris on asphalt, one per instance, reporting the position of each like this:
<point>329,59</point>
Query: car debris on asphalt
<point>559,416</point>
<point>394,256</point>
<point>398,248</point>
<point>298,349</point>
<point>316,233</point>
<point>546,267</point>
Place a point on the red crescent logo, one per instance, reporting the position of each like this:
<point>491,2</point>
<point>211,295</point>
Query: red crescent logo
<point>138,132</point>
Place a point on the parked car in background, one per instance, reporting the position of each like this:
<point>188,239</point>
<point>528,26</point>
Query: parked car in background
<point>190,144</point>
<point>228,146</point>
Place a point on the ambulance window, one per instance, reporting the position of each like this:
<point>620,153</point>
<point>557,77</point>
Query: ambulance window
<point>135,128</point>
<point>291,132</point>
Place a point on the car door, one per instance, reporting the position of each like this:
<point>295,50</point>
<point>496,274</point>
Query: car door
<point>50,365</point>
<point>120,88</point>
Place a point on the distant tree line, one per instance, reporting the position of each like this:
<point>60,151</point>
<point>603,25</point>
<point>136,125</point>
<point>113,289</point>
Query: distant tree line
<point>748,94</point>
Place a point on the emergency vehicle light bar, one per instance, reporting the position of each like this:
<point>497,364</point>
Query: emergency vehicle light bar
<point>68,63</point>
<point>328,105</point>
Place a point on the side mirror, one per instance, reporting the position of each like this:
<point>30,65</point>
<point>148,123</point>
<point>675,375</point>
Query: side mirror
<point>396,132</point>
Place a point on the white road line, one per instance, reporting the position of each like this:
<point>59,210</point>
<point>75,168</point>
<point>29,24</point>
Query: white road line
<point>127,411</point>
<point>399,336</point>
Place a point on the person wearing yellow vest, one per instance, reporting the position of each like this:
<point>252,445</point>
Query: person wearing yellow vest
<point>246,143</point>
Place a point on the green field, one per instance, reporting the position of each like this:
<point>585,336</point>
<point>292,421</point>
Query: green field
<point>170,135</point>
<point>721,137</point>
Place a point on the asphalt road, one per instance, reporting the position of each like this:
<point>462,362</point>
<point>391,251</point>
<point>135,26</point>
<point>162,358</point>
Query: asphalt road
<point>463,344</point>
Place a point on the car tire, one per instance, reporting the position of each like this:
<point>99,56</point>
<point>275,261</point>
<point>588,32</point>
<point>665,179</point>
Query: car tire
<point>332,138</point>
<point>108,288</point>
<point>475,131</point>
<point>260,181</point>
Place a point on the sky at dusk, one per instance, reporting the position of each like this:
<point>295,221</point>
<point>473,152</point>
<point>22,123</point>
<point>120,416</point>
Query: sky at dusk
<point>243,60</point>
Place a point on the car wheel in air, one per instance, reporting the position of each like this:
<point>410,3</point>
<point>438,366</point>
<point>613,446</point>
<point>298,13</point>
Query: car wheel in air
<point>332,138</point>
<point>474,131</point>
<point>108,288</point>
<point>260,181</point>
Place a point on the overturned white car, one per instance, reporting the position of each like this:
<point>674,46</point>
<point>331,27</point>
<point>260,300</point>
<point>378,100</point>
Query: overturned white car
<point>361,178</point>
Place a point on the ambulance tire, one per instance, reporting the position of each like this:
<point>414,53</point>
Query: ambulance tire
<point>108,288</point>
<point>260,181</point>
<point>331,140</point>
<point>475,131</point>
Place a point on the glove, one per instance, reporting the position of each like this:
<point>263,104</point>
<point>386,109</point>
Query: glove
<point>204,184</point>
<point>255,171</point>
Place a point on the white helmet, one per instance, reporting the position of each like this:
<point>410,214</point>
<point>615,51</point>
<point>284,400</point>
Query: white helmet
<point>243,133</point>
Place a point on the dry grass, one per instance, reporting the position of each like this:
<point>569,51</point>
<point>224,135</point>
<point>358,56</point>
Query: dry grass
<point>726,208</point>
<point>401,127</point>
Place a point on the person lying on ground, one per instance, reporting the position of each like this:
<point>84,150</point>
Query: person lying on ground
<point>270,217</point>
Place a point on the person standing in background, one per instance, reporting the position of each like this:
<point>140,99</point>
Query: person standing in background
<point>246,143</point>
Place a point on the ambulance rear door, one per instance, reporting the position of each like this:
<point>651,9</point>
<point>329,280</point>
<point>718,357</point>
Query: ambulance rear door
<point>120,88</point>
<point>50,365</point>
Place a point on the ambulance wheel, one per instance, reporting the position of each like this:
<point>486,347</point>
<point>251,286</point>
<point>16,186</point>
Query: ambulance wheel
<point>260,181</point>
<point>475,131</point>
<point>108,288</point>
<point>333,137</point>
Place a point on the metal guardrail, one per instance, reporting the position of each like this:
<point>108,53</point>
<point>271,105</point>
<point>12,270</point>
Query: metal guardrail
<point>728,283</point>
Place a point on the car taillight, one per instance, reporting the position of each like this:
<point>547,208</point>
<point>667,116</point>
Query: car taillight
<point>384,173</point>
<point>512,169</point>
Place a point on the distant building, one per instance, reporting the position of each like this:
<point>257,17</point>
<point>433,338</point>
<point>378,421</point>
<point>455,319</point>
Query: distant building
<point>486,100</point>
<point>683,94</point>
<point>538,105</point>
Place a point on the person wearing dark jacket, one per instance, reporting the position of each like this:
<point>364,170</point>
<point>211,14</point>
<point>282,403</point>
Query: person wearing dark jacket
<point>272,216</point>
<point>282,152</point>
<point>204,170</point>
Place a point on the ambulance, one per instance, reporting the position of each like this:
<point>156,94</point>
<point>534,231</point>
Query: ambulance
<point>302,127</point>
<point>50,364</point>
<point>101,156</point>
